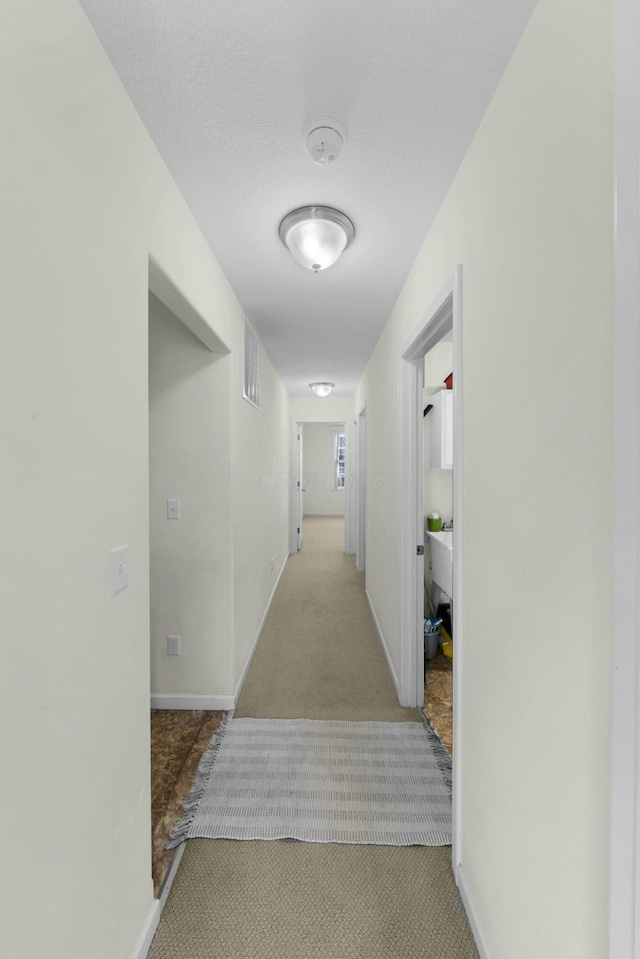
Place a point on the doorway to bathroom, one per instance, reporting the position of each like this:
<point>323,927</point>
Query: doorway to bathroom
<point>442,319</point>
<point>438,469</point>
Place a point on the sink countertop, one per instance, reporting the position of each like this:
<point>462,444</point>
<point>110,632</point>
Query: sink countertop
<point>444,537</point>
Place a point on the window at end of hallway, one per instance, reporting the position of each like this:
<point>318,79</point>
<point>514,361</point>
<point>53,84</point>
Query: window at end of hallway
<point>338,472</point>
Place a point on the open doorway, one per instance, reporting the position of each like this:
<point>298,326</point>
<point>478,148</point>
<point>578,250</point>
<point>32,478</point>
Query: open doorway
<point>443,318</point>
<point>184,444</point>
<point>438,470</point>
<point>320,472</point>
<point>361,489</point>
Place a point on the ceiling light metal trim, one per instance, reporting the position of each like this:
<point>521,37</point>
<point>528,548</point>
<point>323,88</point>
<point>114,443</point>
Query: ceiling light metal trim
<point>317,213</point>
<point>322,388</point>
<point>306,215</point>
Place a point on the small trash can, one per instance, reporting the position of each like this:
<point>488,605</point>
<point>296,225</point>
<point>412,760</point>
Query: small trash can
<point>431,643</point>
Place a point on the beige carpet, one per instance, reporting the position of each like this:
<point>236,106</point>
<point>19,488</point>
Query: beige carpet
<point>296,900</point>
<point>319,658</point>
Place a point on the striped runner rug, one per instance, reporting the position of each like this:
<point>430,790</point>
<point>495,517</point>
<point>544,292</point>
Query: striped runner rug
<point>321,781</point>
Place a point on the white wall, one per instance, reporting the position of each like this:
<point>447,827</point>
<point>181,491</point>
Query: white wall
<point>317,446</point>
<point>191,581</point>
<point>86,202</point>
<point>261,446</point>
<point>309,409</point>
<point>529,217</point>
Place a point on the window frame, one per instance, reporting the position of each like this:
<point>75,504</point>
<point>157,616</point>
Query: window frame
<point>338,462</point>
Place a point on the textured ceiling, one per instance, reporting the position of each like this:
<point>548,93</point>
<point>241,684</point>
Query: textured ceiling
<point>226,87</point>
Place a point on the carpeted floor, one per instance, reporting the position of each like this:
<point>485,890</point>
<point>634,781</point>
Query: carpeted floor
<point>319,656</point>
<point>258,900</point>
<point>297,900</point>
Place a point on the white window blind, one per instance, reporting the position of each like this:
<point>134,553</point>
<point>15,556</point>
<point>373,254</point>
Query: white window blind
<point>251,391</point>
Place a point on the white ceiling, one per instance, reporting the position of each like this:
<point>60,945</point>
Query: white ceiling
<point>226,87</point>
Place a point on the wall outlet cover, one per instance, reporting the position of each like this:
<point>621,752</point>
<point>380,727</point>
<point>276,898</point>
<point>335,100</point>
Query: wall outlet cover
<point>118,569</point>
<point>173,645</point>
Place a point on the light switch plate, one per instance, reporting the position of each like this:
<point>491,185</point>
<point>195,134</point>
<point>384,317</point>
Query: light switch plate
<point>119,568</point>
<point>173,509</point>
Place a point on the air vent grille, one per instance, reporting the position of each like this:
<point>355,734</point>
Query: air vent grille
<point>251,390</point>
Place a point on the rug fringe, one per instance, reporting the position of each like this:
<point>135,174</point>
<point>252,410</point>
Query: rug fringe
<point>442,757</point>
<point>181,829</point>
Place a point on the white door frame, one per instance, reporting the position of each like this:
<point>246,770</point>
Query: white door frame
<point>444,314</point>
<point>625,794</point>
<point>361,489</point>
<point>296,480</point>
<point>351,525</point>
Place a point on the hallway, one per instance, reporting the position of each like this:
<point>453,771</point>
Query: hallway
<point>144,144</point>
<point>318,658</point>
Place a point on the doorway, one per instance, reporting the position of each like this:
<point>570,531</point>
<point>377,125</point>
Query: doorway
<point>438,469</point>
<point>185,388</point>
<point>298,487</point>
<point>443,317</point>
<point>361,489</point>
<point>320,475</point>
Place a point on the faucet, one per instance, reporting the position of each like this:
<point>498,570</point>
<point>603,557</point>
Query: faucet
<point>448,525</point>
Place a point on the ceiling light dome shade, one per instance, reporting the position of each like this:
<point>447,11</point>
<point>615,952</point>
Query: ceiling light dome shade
<point>322,389</point>
<point>316,235</point>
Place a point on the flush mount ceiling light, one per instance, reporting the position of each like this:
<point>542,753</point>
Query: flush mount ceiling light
<point>316,235</point>
<point>322,389</point>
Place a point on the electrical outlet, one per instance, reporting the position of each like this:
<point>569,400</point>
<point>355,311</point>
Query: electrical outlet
<point>173,645</point>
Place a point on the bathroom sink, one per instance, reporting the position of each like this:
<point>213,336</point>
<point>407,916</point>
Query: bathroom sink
<point>444,537</point>
<point>441,545</point>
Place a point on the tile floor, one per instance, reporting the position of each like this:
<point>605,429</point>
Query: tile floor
<point>179,737</point>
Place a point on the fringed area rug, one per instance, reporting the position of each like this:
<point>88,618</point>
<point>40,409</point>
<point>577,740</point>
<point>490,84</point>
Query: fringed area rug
<point>321,781</point>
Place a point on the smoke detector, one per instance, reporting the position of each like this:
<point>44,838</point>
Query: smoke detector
<point>324,138</point>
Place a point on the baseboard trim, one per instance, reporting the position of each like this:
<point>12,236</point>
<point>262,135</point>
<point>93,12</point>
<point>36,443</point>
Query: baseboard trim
<point>383,643</point>
<point>148,931</point>
<point>153,918</point>
<point>472,915</point>
<point>261,626</point>
<point>186,701</point>
<point>322,514</point>
<point>171,875</point>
